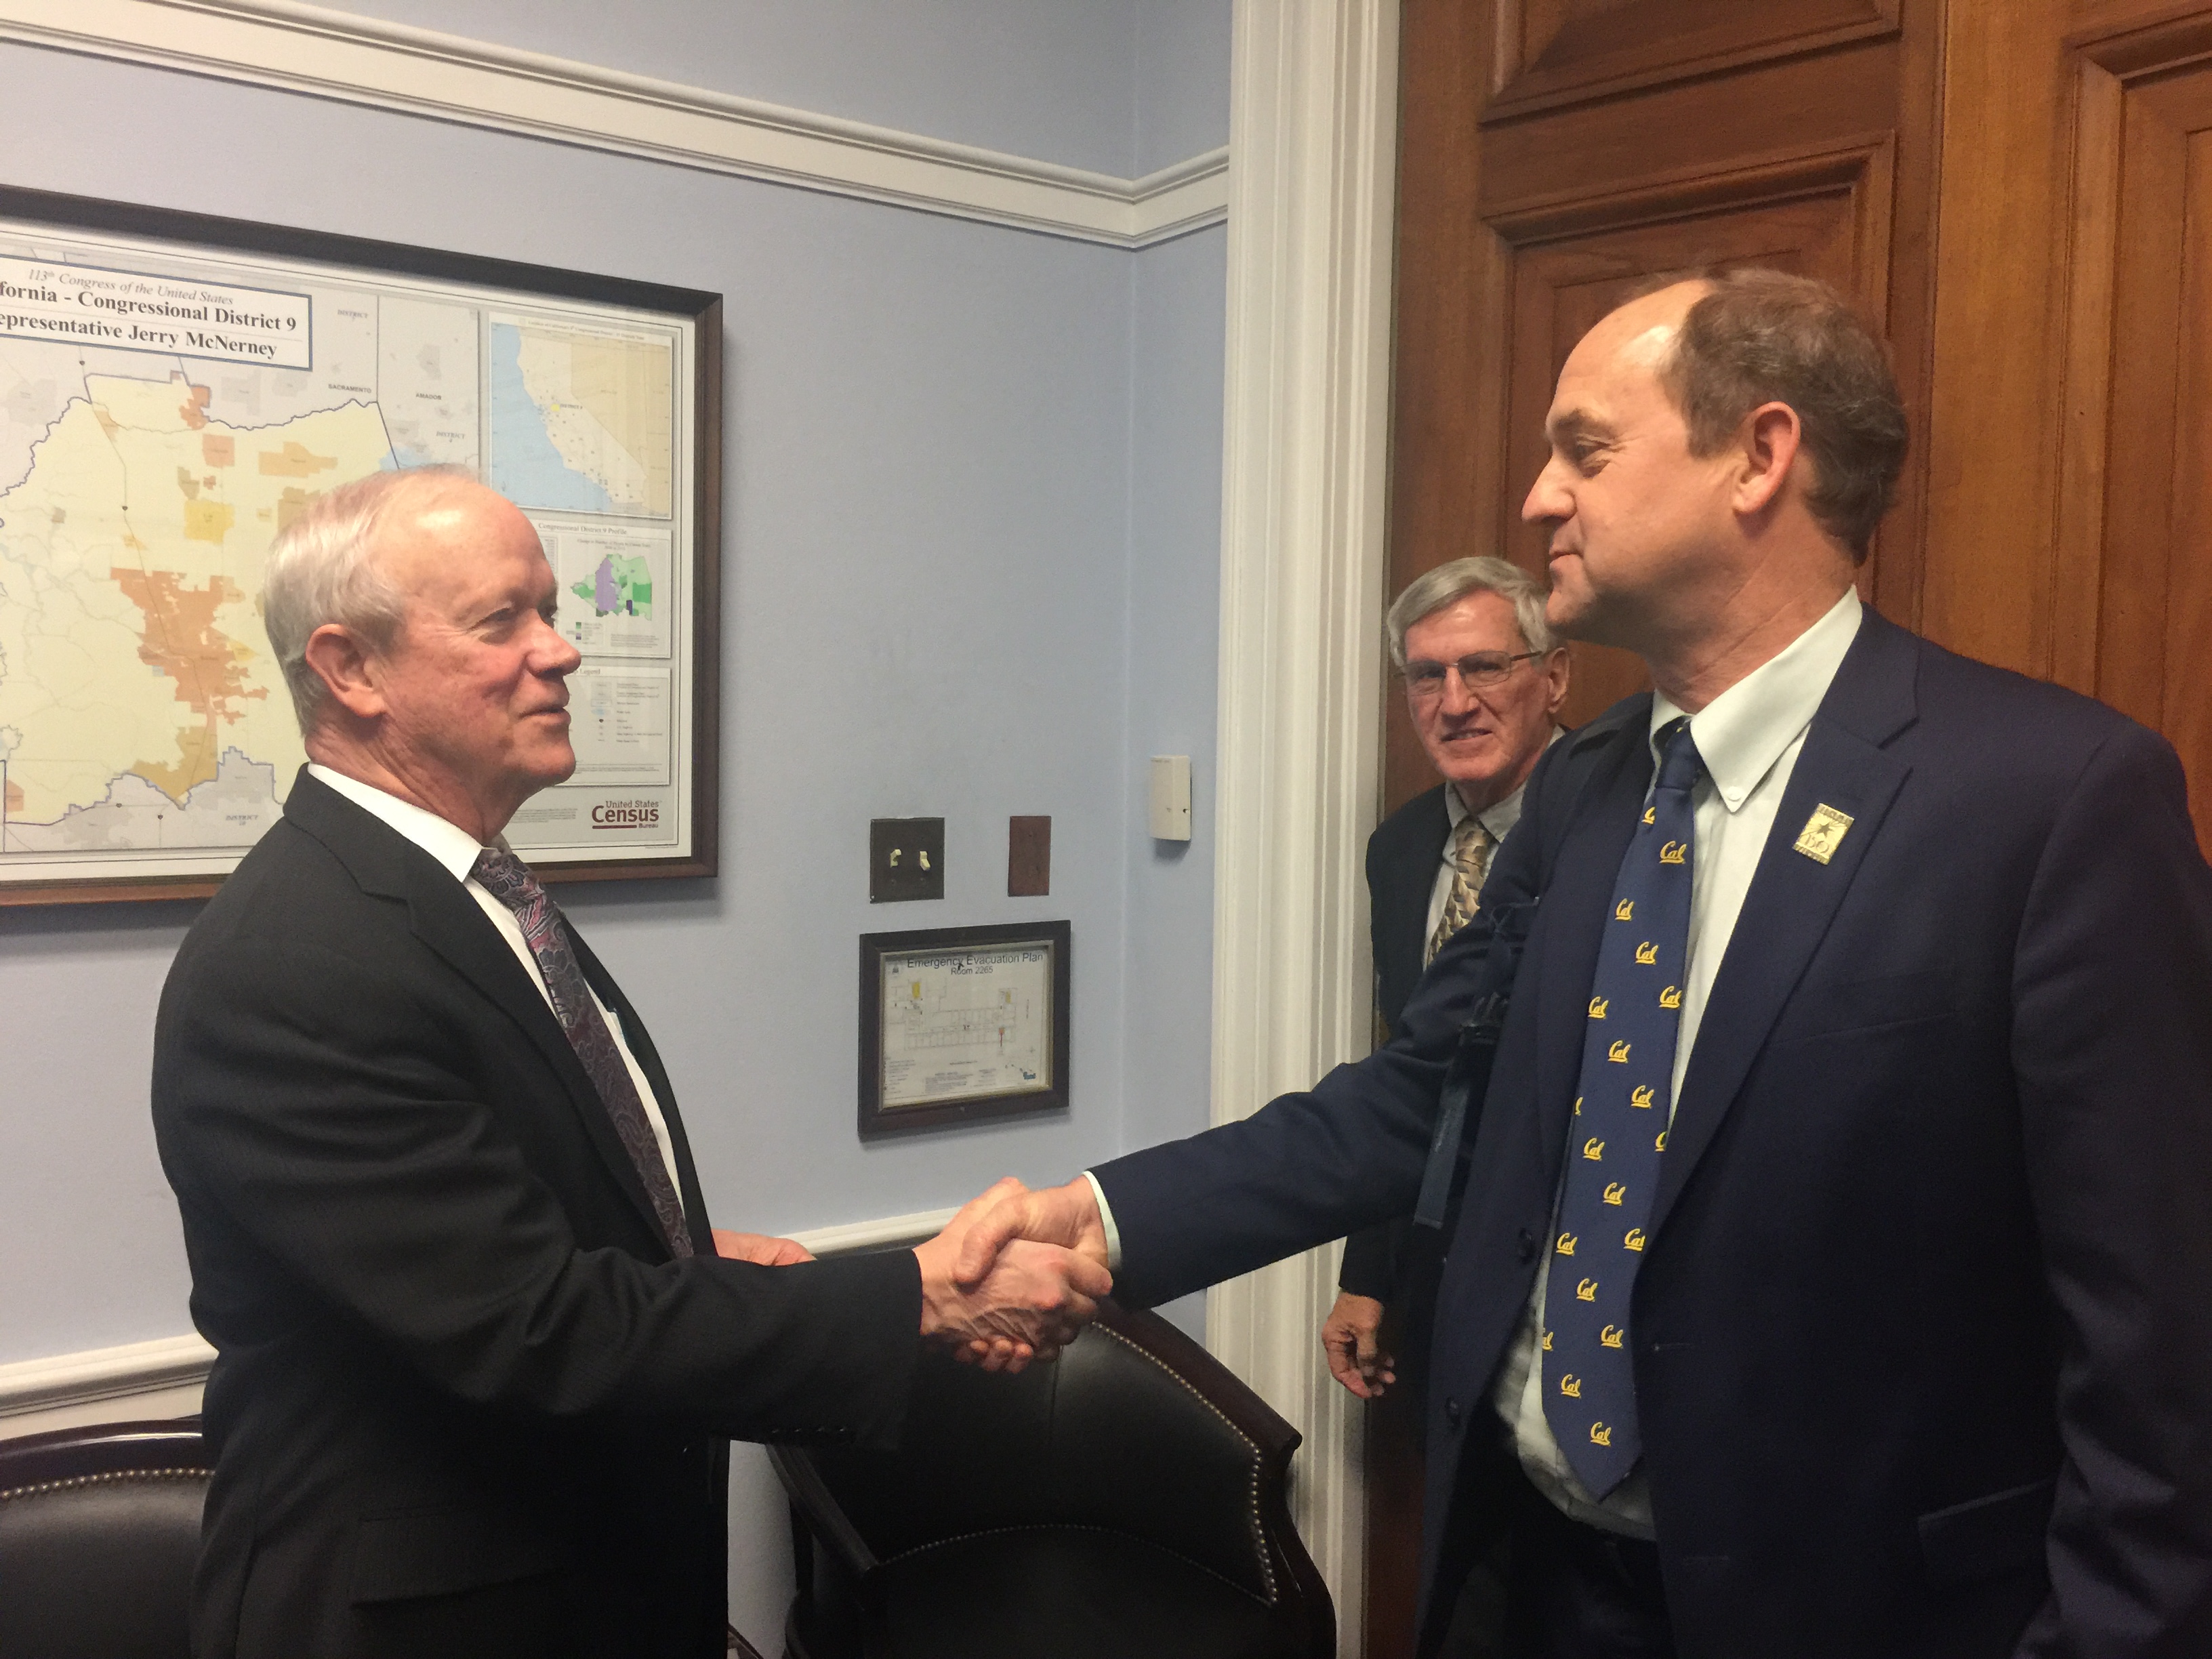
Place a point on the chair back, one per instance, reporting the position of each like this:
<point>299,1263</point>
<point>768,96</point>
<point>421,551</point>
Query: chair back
<point>1135,1429</point>
<point>99,1529</point>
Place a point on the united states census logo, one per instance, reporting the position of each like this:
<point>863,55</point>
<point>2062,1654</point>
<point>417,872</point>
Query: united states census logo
<point>626,815</point>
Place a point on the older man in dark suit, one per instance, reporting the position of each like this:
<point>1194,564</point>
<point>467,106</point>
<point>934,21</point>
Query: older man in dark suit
<point>1485,676</point>
<point>477,1346</point>
<point>1832,1275</point>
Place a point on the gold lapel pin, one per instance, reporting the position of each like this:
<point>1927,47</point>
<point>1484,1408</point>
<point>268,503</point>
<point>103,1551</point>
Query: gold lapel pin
<point>1823,833</point>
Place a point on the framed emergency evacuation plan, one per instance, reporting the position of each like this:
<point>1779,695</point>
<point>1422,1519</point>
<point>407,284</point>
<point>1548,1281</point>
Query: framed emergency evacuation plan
<point>962,1024</point>
<point>175,389</point>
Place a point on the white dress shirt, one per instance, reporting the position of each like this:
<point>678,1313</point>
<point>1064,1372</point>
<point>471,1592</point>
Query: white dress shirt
<point>456,850</point>
<point>1749,738</point>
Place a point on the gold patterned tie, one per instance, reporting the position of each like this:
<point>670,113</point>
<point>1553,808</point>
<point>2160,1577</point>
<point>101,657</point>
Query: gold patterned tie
<point>1470,854</point>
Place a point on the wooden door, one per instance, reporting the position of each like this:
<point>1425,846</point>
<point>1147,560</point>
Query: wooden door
<point>2070,534</point>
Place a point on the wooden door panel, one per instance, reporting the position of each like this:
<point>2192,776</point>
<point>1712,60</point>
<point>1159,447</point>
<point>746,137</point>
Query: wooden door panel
<point>1552,52</point>
<point>2131,595</point>
<point>1681,130</point>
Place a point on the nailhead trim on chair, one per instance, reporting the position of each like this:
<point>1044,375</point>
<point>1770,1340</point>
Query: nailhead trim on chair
<point>103,1480</point>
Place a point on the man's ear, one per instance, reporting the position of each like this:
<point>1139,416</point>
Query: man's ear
<point>1555,670</point>
<point>348,666</point>
<point>1769,441</point>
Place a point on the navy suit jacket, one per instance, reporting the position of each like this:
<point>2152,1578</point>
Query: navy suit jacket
<point>1924,1335</point>
<point>1402,856</point>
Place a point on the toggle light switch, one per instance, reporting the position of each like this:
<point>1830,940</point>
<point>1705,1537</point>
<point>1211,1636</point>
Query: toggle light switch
<point>906,859</point>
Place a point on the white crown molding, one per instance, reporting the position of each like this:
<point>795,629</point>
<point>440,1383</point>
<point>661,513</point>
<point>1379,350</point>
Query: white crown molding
<point>311,49</point>
<point>1313,124</point>
<point>163,1378</point>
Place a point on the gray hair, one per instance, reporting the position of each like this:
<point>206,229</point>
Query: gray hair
<point>321,569</point>
<point>1433,589</point>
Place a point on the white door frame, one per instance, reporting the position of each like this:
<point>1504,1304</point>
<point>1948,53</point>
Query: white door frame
<point>1313,154</point>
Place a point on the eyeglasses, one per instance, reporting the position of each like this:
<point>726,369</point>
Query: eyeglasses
<point>1484,669</point>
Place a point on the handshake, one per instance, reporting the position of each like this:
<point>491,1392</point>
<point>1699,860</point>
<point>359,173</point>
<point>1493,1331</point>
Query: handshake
<point>1012,1278</point>
<point>1015,1275</point>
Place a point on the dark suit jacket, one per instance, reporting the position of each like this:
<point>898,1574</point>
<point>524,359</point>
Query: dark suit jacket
<point>1923,1337</point>
<point>1403,858</point>
<point>464,1402</point>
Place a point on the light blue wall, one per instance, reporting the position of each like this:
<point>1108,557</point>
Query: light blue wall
<point>1120,87</point>
<point>971,528</point>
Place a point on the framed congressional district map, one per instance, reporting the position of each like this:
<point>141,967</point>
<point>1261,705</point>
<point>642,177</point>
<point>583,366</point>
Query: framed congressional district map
<point>174,389</point>
<point>958,1024</point>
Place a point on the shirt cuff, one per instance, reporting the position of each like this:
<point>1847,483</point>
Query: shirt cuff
<point>1106,1219</point>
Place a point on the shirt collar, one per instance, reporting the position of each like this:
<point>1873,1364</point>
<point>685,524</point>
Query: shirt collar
<point>454,848</point>
<point>1744,730</point>
<point>1499,816</point>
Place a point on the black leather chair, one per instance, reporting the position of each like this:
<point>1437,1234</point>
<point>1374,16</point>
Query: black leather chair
<point>1127,1499</point>
<point>99,1529</point>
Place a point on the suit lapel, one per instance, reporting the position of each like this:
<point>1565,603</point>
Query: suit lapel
<point>1792,898</point>
<point>447,921</point>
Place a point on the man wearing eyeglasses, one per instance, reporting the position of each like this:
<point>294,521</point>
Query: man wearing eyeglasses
<point>1485,678</point>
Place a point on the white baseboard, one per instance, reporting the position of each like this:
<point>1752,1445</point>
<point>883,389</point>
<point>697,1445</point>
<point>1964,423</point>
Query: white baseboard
<point>297,47</point>
<point>162,1379</point>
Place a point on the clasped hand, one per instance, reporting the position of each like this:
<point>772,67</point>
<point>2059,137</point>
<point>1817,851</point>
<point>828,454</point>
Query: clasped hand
<point>1014,1276</point>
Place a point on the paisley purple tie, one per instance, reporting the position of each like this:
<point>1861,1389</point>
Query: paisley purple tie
<point>509,880</point>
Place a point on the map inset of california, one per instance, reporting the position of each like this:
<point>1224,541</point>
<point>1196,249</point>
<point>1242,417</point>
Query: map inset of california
<point>159,424</point>
<point>582,422</point>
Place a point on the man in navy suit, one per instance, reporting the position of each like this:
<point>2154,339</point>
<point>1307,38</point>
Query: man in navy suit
<point>1832,1275</point>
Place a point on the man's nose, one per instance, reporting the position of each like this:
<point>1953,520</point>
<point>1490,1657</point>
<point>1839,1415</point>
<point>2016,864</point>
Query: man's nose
<point>557,652</point>
<point>1459,697</point>
<point>1546,502</point>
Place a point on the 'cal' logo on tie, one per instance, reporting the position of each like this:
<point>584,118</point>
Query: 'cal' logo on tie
<point>1601,1434</point>
<point>1619,1053</point>
<point>1675,852</point>
<point>1587,1290</point>
<point>1615,1191</point>
<point>1567,1245</point>
<point>1646,954</point>
<point>1660,1144</point>
<point>1547,1341</point>
<point>1641,1095</point>
<point>1822,834</point>
<point>1625,911</point>
<point>1611,1335</point>
<point>1594,1150</point>
<point>1571,1386</point>
<point>1671,997</point>
<point>1598,1006</point>
<point>1579,1105</point>
<point>1651,815</point>
<point>1634,1241</point>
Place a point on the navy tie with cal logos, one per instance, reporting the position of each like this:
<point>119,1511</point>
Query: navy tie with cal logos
<point>1619,1133</point>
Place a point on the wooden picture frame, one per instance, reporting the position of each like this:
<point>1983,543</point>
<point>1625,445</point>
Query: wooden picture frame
<point>1014,975</point>
<point>116,293</point>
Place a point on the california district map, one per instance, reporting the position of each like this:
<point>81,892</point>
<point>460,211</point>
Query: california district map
<point>149,451</point>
